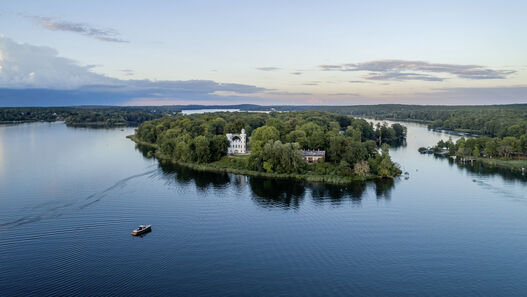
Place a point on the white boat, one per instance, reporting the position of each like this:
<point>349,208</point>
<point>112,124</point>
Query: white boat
<point>142,229</point>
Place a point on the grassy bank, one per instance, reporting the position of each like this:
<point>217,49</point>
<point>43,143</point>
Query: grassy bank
<point>234,164</point>
<point>148,144</point>
<point>515,164</point>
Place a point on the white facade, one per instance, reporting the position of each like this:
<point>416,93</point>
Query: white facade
<point>237,143</point>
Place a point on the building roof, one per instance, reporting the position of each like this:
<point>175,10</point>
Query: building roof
<point>316,153</point>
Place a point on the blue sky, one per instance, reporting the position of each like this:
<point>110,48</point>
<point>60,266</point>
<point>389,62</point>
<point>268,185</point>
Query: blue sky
<point>277,52</point>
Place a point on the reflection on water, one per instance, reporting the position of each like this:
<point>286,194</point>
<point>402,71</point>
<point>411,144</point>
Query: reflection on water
<point>277,193</point>
<point>483,169</point>
<point>273,193</point>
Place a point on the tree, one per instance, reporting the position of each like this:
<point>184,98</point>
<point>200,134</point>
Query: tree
<point>344,121</point>
<point>523,143</point>
<point>355,152</point>
<point>298,136</point>
<point>200,147</point>
<point>235,127</point>
<point>491,148</point>
<point>366,129</point>
<point>505,151</point>
<point>277,157</point>
<point>475,152</point>
<point>513,142</point>
<point>263,135</point>
<point>344,168</point>
<point>314,135</point>
<point>182,151</point>
<point>354,133</point>
<point>361,168</point>
<point>218,147</point>
<point>217,126</point>
<point>400,131</point>
<point>338,146</point>
<point>278,124</point>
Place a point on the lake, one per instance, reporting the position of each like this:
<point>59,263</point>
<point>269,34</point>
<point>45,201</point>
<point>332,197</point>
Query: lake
<point>69,198</point>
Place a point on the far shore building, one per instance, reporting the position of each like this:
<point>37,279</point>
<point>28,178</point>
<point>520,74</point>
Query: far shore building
<point>314,156</point>
<point>237,143</point>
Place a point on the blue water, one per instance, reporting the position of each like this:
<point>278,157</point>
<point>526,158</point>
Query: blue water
<point>69,198</point>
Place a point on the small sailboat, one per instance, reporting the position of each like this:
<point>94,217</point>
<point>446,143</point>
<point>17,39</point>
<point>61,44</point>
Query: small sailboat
<point>142,229</point>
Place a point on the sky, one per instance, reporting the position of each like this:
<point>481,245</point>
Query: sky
<point>262,52</point>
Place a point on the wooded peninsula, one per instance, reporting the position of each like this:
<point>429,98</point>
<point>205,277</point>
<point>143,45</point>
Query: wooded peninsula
<point>280,144</point>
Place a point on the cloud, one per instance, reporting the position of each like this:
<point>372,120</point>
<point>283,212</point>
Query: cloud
<point>401,76</point>
<point>296,73</point>
<point>102,34</point>
<point>29,66</point>
<point>398,70</point>
<point>268,68</point>
<point>24,66</point>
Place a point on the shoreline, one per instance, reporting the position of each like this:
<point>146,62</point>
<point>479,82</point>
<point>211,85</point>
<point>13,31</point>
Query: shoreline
<point>513,164</point>
<point>216,168</point>
<point>516,165</point>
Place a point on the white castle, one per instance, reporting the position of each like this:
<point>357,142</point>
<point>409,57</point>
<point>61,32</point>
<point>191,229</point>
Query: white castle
<point>237,143</point>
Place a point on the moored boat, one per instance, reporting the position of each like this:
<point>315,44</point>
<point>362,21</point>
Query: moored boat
<point>142,229</point>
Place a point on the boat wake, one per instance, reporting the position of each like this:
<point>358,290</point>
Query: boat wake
<point>55,209</point>
<point>500,191</point>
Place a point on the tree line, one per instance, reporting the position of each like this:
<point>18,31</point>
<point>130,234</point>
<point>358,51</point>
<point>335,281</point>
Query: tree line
<point>85,116</point>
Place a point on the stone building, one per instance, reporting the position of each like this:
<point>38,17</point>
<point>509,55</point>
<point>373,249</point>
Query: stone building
<point>313,156</point>
<point>238,143</point>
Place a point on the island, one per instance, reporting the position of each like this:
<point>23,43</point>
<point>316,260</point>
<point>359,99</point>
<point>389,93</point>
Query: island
<point>307,145</point>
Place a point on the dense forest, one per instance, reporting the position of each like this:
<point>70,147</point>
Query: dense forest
<point>276,142</point>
